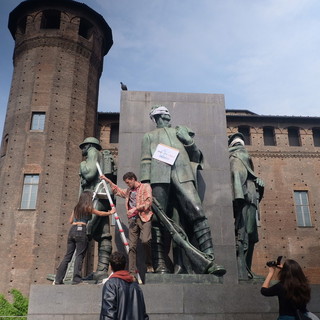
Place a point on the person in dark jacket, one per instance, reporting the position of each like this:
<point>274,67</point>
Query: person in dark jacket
<point>122,298</point>
<point>293,289</point>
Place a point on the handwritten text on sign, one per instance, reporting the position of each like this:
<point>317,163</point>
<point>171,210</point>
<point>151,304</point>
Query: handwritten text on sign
<point>166,154</point>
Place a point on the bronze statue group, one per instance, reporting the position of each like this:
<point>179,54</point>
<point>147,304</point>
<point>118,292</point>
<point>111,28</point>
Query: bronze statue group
<point>165,205</point>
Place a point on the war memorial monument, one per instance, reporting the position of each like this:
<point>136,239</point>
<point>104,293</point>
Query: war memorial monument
<point>181,295</point>
<point>197,275</point>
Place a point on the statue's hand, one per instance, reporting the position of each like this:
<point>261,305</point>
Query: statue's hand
<point>183,135</point>
<point>259,182</point>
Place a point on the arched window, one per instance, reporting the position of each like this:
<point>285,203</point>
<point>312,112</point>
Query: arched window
<point>294,137</point>
<point>114,133</point>
<point>316,136</point>
<point>85,28</point>
<point>245,130</point>
<point>50,19</point>
<point>269,136</point>
<point>4,145</point>
<point>22,24</point>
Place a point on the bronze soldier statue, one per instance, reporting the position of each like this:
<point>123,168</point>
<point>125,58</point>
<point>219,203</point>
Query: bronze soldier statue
<point>98,227</point>
<point>174,184</point>
<point>247,193</point>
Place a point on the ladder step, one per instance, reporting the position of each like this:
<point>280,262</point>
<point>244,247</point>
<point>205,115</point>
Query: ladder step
<point>101,196</point>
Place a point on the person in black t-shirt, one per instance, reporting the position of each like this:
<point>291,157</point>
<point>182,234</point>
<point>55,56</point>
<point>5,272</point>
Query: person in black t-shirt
<point>293,289</point>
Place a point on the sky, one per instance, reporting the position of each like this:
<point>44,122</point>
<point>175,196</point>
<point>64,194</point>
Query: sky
<point>263,55</point>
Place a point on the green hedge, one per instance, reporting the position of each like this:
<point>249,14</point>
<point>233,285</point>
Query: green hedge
<point>16,310</point>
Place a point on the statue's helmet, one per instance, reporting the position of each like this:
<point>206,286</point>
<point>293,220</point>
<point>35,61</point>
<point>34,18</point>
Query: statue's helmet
<point>235,137</point>
<point>91,140</point>
<point>158,109</point>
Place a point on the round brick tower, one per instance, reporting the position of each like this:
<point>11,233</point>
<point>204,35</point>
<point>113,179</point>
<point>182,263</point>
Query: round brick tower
<point>58,59</point>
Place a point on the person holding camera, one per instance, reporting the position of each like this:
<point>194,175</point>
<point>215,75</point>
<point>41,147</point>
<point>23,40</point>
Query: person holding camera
<point>293,289</point>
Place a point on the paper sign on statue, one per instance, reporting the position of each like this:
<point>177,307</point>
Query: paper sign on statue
<point>165,154</point>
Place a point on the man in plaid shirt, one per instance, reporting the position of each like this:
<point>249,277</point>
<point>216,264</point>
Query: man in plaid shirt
<point>138,204</point>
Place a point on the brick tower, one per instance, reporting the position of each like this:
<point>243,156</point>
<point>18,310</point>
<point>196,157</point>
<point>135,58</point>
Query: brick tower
<point>58,59</point>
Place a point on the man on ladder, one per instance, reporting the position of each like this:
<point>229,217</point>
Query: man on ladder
<point>138,204</point>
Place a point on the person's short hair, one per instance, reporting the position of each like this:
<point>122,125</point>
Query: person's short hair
<point>129,175</point>
<point>117,261</point>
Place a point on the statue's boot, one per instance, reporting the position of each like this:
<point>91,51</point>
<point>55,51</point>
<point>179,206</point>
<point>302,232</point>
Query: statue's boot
<point>203,235</point>
<point>242,267</point>
<point>104,251</point>
<point>179,263</point>
<point>248,259</point>
<point>158,256</point>
<point>249,254</point>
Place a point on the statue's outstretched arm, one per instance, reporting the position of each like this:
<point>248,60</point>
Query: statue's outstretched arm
<point>185,135</point>
<point>146,158</point>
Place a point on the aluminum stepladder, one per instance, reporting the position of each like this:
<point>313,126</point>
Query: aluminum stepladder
<point>97,194</point>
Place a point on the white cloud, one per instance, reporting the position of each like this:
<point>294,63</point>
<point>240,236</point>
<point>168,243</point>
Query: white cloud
<point>257,53</point>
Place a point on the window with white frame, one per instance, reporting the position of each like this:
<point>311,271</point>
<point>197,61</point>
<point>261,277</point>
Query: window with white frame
<point>37,121</point>
<point>29,191</point>
<point>302,208</point>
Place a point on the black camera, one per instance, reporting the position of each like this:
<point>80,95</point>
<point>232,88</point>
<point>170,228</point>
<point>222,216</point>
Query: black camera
<point>274,263</point>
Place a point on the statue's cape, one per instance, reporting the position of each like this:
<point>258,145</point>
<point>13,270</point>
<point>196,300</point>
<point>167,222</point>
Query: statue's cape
<point>242,154</point>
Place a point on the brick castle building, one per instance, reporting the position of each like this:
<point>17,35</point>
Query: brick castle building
<point>52,107</point>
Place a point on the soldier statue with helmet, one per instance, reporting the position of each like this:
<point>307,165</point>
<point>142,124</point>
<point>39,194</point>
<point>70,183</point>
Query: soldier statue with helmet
<point>98,227</point>
<point>247,192</point>
<point>174,190</point>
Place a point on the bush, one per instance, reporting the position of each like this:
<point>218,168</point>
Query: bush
<point>19,307</point>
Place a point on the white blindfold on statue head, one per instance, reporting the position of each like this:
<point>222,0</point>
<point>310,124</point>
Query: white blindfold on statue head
<point>236,140</point>
<point>158,110</point>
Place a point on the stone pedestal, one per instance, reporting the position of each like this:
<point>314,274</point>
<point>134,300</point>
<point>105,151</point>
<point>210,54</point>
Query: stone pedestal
<point>191,301</point>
